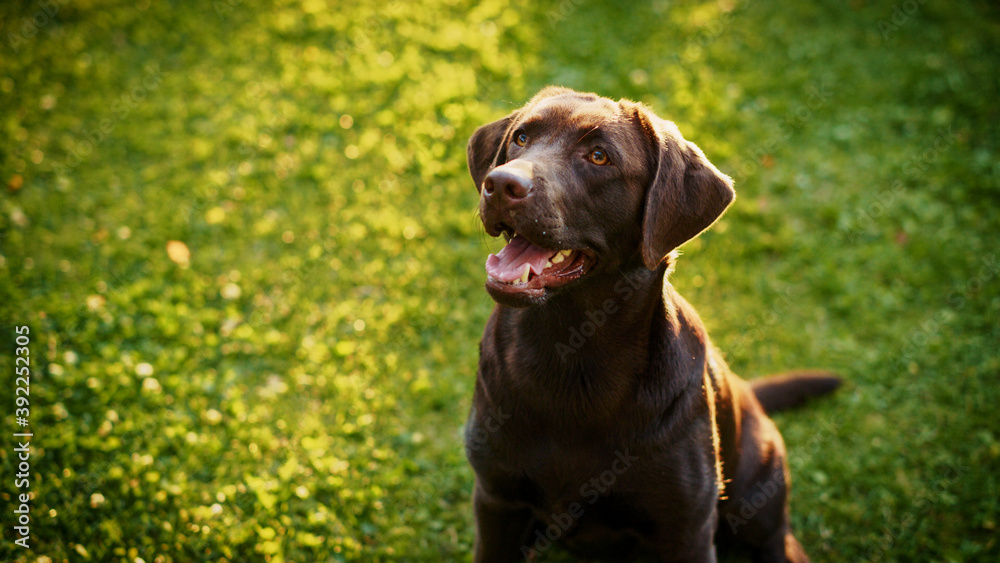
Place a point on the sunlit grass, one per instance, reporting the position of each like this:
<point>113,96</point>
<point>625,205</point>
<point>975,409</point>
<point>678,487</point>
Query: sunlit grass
<point>291,385</point>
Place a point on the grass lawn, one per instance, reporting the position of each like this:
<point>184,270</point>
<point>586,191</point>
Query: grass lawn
<point>243,238</point>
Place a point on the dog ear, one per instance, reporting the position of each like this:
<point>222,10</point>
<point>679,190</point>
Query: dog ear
<point>686,196</point>
<point>488,148</point>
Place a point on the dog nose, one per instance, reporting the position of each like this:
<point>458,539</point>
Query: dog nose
<point>513,180</point>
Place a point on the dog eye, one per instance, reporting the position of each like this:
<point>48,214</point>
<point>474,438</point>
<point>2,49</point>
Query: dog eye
<point>598,157</point>
<point>520,138</point>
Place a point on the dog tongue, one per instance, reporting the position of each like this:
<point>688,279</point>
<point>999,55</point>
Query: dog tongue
<point>508,265</point>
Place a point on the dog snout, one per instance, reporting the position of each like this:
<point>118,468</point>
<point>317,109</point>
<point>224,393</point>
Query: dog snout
<point>509,183</point>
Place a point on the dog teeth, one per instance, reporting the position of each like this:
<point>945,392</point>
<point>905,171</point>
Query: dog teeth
<point>548,263</point>
<point>561,255</point>
<point>524,275</point>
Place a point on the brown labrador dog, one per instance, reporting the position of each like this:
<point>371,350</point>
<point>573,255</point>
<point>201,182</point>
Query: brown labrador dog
<point>603,417</point>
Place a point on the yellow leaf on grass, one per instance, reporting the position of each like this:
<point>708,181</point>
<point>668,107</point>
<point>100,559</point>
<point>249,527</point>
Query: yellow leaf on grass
<point>215,215</point>
<point>179,253</point>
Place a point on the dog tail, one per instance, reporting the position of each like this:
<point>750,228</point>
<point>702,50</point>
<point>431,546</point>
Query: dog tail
<point>789,390</point>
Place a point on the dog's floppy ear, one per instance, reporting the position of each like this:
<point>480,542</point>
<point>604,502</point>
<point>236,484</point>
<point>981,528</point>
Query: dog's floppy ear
<point>488,148</point>
<point>686,196</point>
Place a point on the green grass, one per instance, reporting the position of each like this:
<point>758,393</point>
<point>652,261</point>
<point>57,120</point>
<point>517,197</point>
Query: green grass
<point>297,390</point>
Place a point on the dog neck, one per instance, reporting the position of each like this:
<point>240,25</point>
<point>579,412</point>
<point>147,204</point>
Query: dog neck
<point>590,320</point>
<point>587,348</point>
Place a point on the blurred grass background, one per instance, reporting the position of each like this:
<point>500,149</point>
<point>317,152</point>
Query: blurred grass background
<point>243,237</point>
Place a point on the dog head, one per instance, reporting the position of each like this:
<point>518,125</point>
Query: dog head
<point>582,185</point>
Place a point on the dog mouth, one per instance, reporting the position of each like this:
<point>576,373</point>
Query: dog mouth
<point>524,267</point>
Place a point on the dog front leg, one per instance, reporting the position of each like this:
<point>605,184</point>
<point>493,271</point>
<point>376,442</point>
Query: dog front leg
<point>696,544</point>
<point>501,528</point>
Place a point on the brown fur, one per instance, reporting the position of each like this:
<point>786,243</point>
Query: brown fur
<point>639,439</point>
